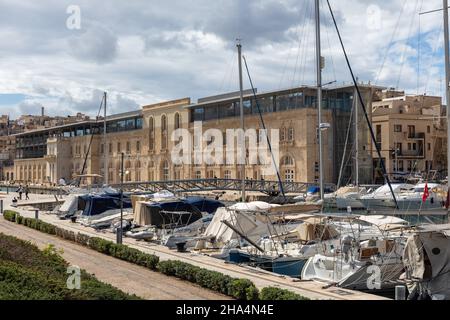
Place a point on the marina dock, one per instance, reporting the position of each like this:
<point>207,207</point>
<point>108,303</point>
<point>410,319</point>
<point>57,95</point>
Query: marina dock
<point>310,289</point>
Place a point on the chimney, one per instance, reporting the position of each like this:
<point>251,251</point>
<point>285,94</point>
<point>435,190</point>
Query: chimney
<point>43,111</point>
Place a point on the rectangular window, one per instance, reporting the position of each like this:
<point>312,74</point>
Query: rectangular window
<point>429,147</point>
<point>411,131</point>
<point>110,148</point>
<point>118,147</point>
<point>138,146</point>
<point>398,128</point>
<point>378,134</point>
<point>128,147</point>
<point>102,148</point>
<point>428,129</point>
<point>399,148</point>
<point>198,114</point>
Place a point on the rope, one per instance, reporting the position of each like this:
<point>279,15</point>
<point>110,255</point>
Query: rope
<point>363,106</point>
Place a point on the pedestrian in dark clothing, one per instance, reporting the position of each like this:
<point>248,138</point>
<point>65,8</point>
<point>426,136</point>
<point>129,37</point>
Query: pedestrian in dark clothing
<point>27,190</point>
<point>20,191</point>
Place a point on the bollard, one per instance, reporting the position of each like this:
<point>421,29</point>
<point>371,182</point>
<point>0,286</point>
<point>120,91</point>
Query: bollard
<point>400,293</point>
<point>1,206</point>
<point>36,214</point>
<point>119,236</point>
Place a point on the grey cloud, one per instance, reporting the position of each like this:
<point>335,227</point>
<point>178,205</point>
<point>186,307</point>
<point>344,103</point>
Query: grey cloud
<point>96,43</point>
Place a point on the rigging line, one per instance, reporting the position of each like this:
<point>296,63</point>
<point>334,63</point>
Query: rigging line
<point>228,69</point>
<point>265,130</point>
<point>403,58</point>
<point>419,41</point>
<point>300,37</point>
<point>435,51</point>
<point>391,42</point>
<point>301,51</point>
<point>305,48</point>
<point>327,32</point>
<point>345,146</point>
<point>90,143</point>
<point>363,105</point>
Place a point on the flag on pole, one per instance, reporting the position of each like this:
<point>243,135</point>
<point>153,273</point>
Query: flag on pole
<point>426,193</point>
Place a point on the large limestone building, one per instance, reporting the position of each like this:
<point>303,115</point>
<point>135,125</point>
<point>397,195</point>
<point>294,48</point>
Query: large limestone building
<point>145,137</point>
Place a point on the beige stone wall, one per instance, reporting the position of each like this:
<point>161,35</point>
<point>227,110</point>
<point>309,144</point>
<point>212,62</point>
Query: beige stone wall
<point>31,170</point>
<point>421,147</point>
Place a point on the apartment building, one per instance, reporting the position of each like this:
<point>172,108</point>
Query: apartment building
<point>411,134</point>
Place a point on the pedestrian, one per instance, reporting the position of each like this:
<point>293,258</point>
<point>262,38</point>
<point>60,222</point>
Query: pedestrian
<point>20,191</point>
<point>27,190</point>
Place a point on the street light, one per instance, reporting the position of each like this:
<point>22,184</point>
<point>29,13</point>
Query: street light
<point>122,173</point>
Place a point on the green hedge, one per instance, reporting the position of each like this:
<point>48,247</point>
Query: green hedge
<point>10,215</point>
<point>241,289</point>
<point>273,294</point>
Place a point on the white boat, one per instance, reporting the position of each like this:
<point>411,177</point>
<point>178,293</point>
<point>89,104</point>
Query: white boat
<point>368,265</point>
<point>382,197</point>
<point>413,199</point>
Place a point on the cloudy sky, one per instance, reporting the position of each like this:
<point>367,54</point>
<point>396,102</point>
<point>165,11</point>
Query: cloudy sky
<point>146,51</point>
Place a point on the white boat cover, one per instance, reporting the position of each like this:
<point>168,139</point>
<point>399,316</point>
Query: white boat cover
<point>383,220</point>
<point>245,223</point>
<point>70,205</point>
<point>253,206</point>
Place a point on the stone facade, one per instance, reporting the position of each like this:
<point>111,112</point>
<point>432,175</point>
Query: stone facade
<point>411,133</point>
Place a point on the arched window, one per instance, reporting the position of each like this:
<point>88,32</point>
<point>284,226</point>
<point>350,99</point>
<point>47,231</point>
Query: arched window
<point>164,136</point>
<point>198,174</point>
<point>151,125</point>
<point>165,171</point>
<point>164,123</point>
<point>291,134</point>
<point>287,161</point>
<point>177,121</point>
<point>283,134</point>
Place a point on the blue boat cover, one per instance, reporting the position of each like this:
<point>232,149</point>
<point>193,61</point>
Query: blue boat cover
<point>204,204</point>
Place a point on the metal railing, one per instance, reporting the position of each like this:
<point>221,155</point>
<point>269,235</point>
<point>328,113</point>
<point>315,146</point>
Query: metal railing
<point>194,185</point>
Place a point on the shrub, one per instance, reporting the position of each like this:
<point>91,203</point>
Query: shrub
<point>273,294</point>
<point>242,289</point>
<point>10,215</point>
<point>82,239</point>
<point>100,245</point>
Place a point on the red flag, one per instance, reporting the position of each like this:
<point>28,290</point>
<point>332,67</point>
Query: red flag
<point>426,193</point>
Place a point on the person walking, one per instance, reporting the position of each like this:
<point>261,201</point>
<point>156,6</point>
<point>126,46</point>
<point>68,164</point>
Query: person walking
<point>27,190</point>
<point>20,191</point>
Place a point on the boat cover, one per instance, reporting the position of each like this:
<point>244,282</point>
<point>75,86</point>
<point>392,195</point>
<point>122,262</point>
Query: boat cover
<point>427,259</point>
<point>205,204</point>
<point>161,213</point>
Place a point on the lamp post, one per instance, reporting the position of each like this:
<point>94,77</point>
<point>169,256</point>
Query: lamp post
<point>120,230</point>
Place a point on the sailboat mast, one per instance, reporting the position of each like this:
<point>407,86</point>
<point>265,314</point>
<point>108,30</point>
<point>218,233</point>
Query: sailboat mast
<point>319,96</point>
<point>356,140</point>
<point>447,79</point>
<point>241,104</point>
<point>105,157</point>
